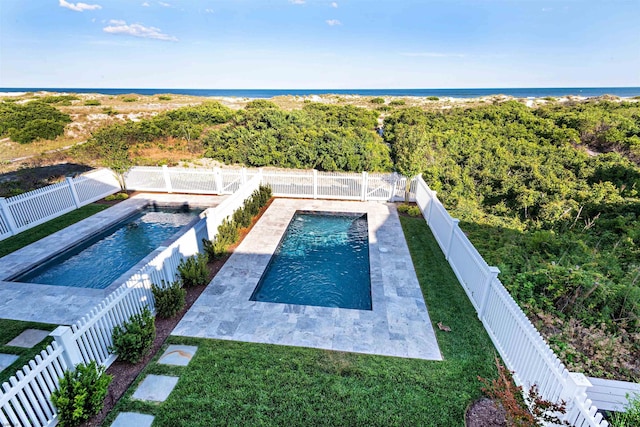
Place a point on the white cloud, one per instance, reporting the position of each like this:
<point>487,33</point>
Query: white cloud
<point>547,9</point>
<point>333,22</point>
<point>208,11</point>
<point>79,7</point>
<point>334,4</point>
<point>146,4</point>
<point>433,54</point>
<point>161,3</point>
<point>117,26</point>
<point>296,1</point>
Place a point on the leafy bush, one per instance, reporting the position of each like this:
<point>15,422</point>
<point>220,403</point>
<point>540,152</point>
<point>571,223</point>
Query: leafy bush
<point>527,411</point>
<point>59,99</point>
<point>411,210</point>
<point>109,111</point>
<point>92,102</point>
<point>630,417</point>
<point>25,123</point>
<point>193,270</point>
<point>164,98</point>
<point>130,99</point>
<point>377,100</point>
<point>433,98</point>
<point>81,394</point>
<point>397,102</point>
<point>133,340</point>
<point>170,299</point>
<point>116,196</point>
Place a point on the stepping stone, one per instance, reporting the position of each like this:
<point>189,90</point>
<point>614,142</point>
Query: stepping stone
<point>155,388</point>
<point>178,355</point>
<point>6,360</point>
<point>132,419</point>
<point>28,338</point>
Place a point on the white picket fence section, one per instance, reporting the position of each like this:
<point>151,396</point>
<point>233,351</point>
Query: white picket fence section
<point>611,394</point>
<point>521,346</point>
<point>25,399</point>
<point>27,210</point>
<point>310,184</point>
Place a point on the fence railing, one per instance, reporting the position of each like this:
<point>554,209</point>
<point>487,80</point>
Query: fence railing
<point>611,394</point>
<point>520,345</point>
<point>306,184</point>
<point>21,212</point>
<point>25,399</point>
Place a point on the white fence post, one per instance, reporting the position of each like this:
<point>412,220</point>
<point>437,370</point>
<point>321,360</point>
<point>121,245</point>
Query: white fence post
<point>217,174</point>
<point>64,338</point>
<point>11,223</point>
<point>74,193</point>
<point>365,182</point>
<point>454,227</point>
<point>167,178</point>
<point>243,176</point>
<point>493,274</point>
<point>392,189</point>
<point>433,200</point>
<point>575,389</point>
<point>315,184</point>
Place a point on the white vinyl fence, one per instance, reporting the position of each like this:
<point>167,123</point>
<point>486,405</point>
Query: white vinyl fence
<point>25,399</point>
<point>612,395</point>
<point>19,213</point>
<point>521,346</point>
<point>310,184</point>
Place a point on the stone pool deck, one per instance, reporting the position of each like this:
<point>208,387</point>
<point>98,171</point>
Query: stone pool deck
<point>398,325</point>
<point>65,305</point>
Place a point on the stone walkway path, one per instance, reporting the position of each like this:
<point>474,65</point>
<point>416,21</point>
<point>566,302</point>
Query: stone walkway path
<point>156,388</point>
<point>28,338</point>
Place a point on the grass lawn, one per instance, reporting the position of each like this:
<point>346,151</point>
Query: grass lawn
<point>9,329</point>
<point>235,383</point>
<point>36,233</point>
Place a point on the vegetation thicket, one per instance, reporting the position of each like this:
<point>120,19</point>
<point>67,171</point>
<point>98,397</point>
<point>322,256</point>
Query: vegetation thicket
<point>25,123</point>
<point>550,196</point>
<point>324,137</point>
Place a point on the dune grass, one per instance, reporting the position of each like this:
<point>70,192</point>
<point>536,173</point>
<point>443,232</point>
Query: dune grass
<point>235,383</point>
<point>36,233</point>
<point>9,329</point>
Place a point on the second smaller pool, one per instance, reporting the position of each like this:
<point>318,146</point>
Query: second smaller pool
<point>322,260</point>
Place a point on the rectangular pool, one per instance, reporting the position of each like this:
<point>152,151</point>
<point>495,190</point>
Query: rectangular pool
<point>101,259</point>
<point>322,260</point>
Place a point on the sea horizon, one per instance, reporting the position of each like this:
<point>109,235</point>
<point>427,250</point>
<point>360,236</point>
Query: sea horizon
<point>533,92</point>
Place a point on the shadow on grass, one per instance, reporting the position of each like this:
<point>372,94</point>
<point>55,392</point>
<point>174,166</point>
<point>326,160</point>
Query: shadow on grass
<point>236,383</point>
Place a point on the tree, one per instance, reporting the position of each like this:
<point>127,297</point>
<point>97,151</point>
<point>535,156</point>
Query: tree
<point>112,147</point>
<point>410,151</point>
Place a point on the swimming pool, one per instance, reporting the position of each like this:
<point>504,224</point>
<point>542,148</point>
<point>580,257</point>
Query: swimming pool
<point>322,260</point>
<point>103,258</point>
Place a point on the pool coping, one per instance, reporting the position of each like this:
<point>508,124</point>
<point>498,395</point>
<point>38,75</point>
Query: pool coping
<point>399,324</point>
<point>65,305</point>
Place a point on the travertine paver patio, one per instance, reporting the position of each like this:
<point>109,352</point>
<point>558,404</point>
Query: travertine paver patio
<point>65,305</point>
<point>398,325</point>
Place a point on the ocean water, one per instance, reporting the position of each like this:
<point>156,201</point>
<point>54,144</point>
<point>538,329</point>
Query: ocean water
<point>625,92</point>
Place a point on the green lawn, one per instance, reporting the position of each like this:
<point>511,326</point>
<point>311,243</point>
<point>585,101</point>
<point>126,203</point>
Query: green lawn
<point>234,383</point>
<point>36,233</point>
<point>9,329</point>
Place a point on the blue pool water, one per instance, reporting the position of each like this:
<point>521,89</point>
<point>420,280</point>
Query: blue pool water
<point>99,261</point>
<point>322,260</point>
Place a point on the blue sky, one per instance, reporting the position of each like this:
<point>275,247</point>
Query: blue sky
<point>319,44</point>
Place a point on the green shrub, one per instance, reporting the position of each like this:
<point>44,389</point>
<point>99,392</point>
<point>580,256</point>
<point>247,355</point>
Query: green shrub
<point>37,129</point>
<point>433,98</point>
<point>92,102</point>
<point>81,394</point>
<point>164,98</point>
<point>130,99</point>
<point>414,211</point>
<point>25,123</point>
<point>133,340</point>
<point>377,100</point>
<point>170,299</point>
<point>630,417</point>
<point>109,111</point>
<point>403,208</point>
<point>117,196</point>
<point>193,270</point>
<point>397,102</point>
